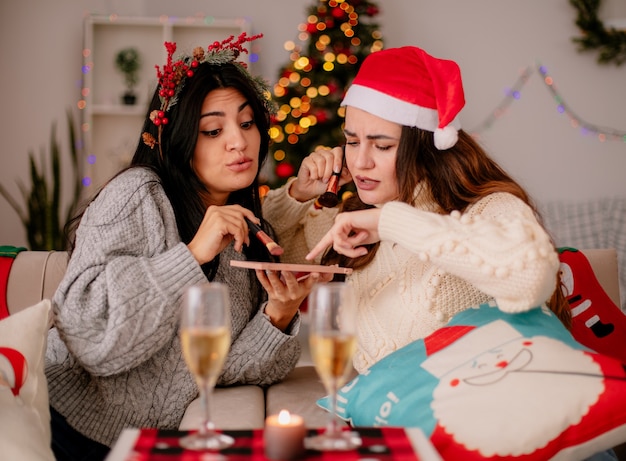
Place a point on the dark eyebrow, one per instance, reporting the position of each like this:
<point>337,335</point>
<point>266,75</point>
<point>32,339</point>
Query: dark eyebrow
<point>371,136</point>
<point>219,113</point>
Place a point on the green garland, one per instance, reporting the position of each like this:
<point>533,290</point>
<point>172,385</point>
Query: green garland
<point>610,43</point>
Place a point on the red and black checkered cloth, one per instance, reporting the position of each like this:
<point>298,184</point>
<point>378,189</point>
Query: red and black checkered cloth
<point>383,444</point>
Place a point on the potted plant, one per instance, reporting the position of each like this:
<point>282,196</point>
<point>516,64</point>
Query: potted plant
<point>41,212</point>
<point>128,63</point>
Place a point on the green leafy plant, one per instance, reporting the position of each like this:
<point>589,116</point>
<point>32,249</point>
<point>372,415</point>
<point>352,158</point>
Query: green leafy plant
<point>610,42</point>
<point>128,62</point>
<point>41,212</point>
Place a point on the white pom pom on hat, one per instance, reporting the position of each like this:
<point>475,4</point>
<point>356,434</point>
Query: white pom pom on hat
<point>446,137</point>
<point>408,86</point>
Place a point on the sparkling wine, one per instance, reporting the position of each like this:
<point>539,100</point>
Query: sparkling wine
<point>205,349</point>
<point>332,337</point>
<point>205,341</point>
<point>332,353</point>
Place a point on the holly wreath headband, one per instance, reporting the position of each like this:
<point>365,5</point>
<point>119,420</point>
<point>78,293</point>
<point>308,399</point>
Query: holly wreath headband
<point>174,74</point>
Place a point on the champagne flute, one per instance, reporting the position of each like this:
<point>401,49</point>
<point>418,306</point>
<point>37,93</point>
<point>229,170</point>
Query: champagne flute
<point>332,315</point>
<point>205,339</point>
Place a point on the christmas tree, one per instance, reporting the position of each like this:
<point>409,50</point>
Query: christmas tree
<point>337,36</point>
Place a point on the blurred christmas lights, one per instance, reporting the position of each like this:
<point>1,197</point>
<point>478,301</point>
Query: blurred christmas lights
<point>303,111</point>
<point>514,93</point>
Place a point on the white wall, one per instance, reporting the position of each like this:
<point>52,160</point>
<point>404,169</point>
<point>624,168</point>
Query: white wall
<point>492,40</point>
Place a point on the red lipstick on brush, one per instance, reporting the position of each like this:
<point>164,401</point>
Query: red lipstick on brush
<point>274,248</point>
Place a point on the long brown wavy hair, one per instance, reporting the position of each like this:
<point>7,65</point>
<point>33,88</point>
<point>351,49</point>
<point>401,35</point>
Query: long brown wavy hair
<point>456,178</point>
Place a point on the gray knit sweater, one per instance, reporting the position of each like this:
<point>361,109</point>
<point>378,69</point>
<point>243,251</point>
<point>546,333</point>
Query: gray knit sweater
<point>113,359</point>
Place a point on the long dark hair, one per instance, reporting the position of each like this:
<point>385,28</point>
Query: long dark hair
<point>177,144</point>
<point>455,179</point>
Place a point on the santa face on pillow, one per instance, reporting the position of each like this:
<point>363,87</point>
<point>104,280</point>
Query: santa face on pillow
<point>510,387</point>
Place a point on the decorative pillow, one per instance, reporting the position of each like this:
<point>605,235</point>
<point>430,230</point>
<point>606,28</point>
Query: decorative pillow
<point>597,322</point>
<point>492,385</point>
<point>24,411</point>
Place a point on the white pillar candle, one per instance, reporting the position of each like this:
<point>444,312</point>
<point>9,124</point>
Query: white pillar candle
<point>283,436</point>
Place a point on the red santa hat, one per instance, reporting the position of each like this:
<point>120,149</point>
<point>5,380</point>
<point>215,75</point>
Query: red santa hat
<point>408,86</point>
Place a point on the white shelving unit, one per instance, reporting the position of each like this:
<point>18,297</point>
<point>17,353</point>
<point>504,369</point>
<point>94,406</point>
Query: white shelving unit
<point>111,129</point>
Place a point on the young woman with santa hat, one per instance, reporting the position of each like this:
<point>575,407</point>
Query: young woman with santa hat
<point>436,225</point>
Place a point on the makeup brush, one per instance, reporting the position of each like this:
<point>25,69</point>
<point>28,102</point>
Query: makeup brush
<point>329,199</point>
<point>274,248</point>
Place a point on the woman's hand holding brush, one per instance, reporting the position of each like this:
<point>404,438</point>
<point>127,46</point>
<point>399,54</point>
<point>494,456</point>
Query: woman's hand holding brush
<point>274,248</point>
<point>321,173</point>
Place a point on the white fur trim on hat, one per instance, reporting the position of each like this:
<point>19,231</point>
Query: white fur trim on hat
<point>389,108</point>
<point>404,113</point>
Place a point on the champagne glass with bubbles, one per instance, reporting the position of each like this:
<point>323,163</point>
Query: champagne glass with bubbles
<point>205,339</point>
<point>332,316</point>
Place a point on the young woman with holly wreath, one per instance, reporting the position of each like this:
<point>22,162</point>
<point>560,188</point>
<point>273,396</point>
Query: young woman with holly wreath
<point>175,218</point>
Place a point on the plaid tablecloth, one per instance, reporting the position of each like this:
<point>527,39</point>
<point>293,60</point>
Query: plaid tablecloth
<point>382,444</point>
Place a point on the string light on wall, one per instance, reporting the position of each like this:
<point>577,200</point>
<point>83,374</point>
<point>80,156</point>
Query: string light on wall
<point>514,93</point>
<point>586,128</point>
<point>82,104</point>
<point>511,94</point>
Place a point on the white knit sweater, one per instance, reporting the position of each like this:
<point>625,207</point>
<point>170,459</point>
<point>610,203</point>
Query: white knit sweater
<point>430,266</point>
